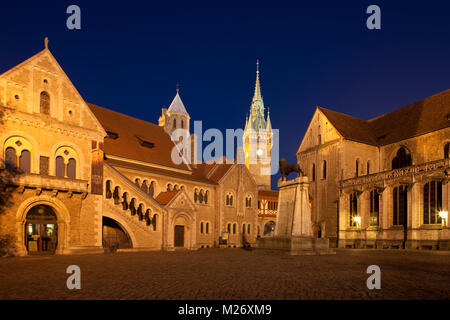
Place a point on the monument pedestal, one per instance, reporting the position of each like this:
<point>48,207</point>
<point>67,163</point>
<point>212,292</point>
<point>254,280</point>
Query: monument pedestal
<point>293,228</point>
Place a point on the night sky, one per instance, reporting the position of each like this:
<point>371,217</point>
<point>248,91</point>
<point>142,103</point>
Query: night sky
<point>129,55</point>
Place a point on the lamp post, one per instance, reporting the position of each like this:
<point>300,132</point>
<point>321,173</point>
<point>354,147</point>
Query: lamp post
<point>444,217</point>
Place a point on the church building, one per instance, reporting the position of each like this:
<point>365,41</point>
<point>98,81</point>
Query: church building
<point>381,183</point>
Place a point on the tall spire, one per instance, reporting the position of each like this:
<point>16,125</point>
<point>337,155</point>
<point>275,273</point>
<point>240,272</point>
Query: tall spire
<point>257,96</point>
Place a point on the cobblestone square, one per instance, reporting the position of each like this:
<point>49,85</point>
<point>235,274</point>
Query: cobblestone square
<point>229,274</point>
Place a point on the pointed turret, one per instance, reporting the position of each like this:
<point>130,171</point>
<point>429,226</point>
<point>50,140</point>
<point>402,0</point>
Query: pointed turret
<point>257,97</point>
<point>177,105</point>
<point>269,124</point>
<point>175,117</point>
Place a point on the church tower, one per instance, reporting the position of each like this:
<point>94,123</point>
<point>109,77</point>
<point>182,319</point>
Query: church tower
<point>175,117</point>
<point>258,139</point>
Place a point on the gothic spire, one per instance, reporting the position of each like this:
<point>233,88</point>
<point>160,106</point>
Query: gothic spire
<point>257,96</point>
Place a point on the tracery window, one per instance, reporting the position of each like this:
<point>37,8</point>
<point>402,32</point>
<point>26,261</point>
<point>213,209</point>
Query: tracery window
<point>402,159</point>
<point>432,202</point>
<point>353,209</point>
<point>374,208</point>
<point>400,204</point>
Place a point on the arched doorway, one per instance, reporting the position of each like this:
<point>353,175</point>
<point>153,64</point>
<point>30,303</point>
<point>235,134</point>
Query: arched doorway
<point>269,229</point>
<point>41,230</point>
<point>182,232</point>
<point>114,235</point>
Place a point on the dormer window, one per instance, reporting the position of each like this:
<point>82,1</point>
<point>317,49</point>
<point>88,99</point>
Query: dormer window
<point>146,143</point>
<point>112,135</point>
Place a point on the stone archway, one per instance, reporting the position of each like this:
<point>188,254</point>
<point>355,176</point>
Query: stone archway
<point>182,232</point>
<point>115,235</point>
<point>269,229</point>
<point>62,218</point>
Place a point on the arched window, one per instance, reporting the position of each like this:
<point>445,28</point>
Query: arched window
<point>195,195</point>
<point>206,197</point>
<point>125,201</point>
<point>71,168</point>
<point>234,228</point>
<point>45,102</point>
<point>60,167</point>
<point>154,221</point>
<point>25,161</point>
<point>313,172</point>
<point>182,124</point>
<point>248,228</point>
<point>201,227</point>
<point>374,207</point>
<point>368,167</point>
<point>116,195</point>
<point>151,189</point>
<point>133,206</point>
<point>174,123</point>
<point>357,167</point>
<point>447,150</point>
<point>402,159</point>
<point>324,173</point>
<point>200,196</point>
<point>169,187</point>
<point>229,228</point>
<point>243,228</point>
<point>144,186</point>
<point>353,209</point>
<point>432,202</point>
<point>137,182</point>
<point>400,205</point>
<point>10,159</point>
<point>148,219</point>
<point>207,228</point>
<point>108,192</point>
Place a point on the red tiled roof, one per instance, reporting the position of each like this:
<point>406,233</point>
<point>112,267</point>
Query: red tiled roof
<point>428,115</point>
<point>220,170</point>
<point>131,132</point>
<point>165,197</point>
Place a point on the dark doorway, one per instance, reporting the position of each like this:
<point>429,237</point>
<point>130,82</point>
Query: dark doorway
<point>114,235</point>
<point>41,230</point>
<point>179,236</point>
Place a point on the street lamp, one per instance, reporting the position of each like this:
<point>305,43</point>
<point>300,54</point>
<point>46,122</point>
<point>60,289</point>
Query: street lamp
<point>444,217</point>
<point>357,220</point>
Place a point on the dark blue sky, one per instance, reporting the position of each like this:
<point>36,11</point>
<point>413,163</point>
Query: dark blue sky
<point>129,55</point>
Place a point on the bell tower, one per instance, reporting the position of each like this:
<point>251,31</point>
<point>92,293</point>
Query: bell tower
<point>258,139</point>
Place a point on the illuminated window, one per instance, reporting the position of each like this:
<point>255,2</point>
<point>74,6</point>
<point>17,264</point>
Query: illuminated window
<point>353,209</point>
<point>432,202</point>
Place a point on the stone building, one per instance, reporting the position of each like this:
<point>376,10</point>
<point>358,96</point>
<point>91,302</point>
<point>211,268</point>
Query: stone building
<point>383,182</point>
<point>78,177</point>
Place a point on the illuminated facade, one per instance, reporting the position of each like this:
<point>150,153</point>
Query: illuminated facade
<point>383,182</point>
<point>82,178</point>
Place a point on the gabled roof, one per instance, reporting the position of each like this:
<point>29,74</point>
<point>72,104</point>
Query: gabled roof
<point>177,105</point>
<point>428,115</point>
<point>130,134</point>
<point>350,128</point>
<point>165,197</point>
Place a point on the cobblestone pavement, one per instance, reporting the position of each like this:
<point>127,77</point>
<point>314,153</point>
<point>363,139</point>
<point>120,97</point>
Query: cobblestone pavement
<point>229,274</point>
